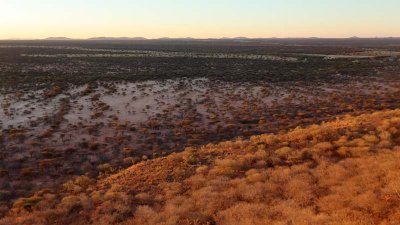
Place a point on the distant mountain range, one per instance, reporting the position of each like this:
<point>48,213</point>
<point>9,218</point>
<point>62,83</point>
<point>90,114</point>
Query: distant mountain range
<point>142,38</point>
<point>241,39</point>
<point>117,38</point>
<point>57,38</point>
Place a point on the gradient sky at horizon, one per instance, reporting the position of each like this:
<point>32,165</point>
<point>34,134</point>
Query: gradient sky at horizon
<point>198,18</point>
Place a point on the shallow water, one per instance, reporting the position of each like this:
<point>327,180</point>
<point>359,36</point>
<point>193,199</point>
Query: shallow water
<point>86,126</point>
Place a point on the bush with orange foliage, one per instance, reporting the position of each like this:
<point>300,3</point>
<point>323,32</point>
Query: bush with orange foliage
<point>341,172</point>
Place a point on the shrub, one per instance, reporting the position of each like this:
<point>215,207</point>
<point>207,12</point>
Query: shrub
<point>26,203</point>
<point>77,184</point>
<point>283,152</point>
<point>226,167</point>
<point>323,146</point>
<point>370,138</point>
<point>104,167</point>
<point>54,91</point>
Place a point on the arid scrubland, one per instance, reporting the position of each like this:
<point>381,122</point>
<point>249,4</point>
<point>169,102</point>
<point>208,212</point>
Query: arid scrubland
<point>340,172</point>
<point>165,132</point>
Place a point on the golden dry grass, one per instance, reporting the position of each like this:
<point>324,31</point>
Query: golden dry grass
<point>342,172</point>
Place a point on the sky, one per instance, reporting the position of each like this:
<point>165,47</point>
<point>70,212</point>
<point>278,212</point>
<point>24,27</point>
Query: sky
<point>26,19</point>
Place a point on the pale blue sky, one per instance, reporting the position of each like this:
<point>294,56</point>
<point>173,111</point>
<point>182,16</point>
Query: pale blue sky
<point>200,19</point>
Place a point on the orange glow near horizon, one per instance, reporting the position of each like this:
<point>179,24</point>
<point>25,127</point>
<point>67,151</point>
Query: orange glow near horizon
<point>209,19</point>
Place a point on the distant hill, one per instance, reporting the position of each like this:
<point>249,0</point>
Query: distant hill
<point>57,38</point>
<point>177,39</point>
<point>117,38</point>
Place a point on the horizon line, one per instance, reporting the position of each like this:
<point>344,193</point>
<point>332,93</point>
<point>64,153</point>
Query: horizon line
<point>55,38</point>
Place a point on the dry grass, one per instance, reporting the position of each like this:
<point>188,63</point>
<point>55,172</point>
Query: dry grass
<point>343,172</point>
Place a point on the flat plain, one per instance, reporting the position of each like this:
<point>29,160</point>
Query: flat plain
<point>77,116</point>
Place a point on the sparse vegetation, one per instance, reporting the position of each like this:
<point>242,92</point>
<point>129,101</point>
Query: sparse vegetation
<point>257,181</point>
<point>199,133</point>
